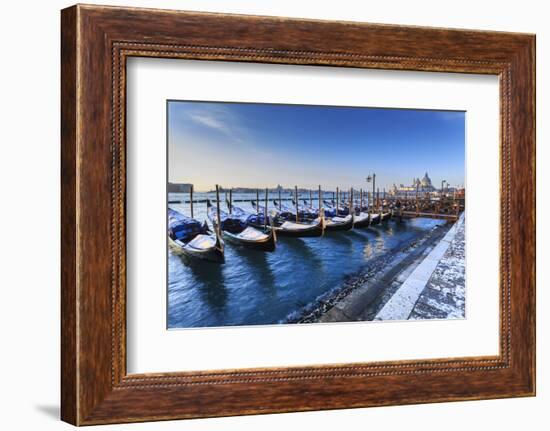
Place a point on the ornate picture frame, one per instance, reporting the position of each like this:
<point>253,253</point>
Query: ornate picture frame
<point>96,41</point>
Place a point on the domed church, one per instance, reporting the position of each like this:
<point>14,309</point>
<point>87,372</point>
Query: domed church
<point>426,184</point>
<point>422,185</point>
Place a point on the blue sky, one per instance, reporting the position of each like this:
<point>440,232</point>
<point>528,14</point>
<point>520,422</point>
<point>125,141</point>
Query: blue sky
<point>262,145</point>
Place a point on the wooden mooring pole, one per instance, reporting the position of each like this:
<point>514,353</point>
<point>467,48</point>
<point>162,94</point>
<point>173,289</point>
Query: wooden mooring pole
<point>337,200</point>
<point>218,216</point>
<point>296,199</point>
<point>191,199</point>
<point>265,209</point>
<point>320,204</point>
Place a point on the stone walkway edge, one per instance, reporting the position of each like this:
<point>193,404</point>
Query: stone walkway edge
<point>401,304</point>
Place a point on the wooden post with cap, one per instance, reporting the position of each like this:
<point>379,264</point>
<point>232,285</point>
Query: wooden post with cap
<point>321,212</point>
<point>296,199</point>
<point>265,209</point>
<point>218,210</point>
<point>337,200</point>
<point>191,199</point>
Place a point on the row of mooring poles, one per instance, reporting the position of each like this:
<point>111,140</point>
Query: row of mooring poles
<point>339,195</point>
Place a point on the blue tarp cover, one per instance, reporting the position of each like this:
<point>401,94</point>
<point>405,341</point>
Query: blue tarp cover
<point>250,218</point>
<point>183,228</point>
<point>229,222</point>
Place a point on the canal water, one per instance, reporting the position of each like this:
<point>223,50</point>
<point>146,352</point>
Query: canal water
<point>258,288</point>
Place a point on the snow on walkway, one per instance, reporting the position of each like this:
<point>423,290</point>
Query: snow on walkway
<point>402,303</point>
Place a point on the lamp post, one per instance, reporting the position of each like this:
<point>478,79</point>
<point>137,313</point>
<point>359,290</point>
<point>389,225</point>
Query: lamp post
<point>373,179</point>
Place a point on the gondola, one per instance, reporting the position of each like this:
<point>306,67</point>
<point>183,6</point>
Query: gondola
<point>385,216</point>
<point>342,210</point>
<point>339,223</point>
<point>251,219</point>
<point>186,236</point>
<point>362,220</point>
<point>289,214</point>
<point>287,228</point>
<point>305,212</point>
<point>295,230</point>
<point>237,231</point>
<point>375,219</point>
<point>328,211</point>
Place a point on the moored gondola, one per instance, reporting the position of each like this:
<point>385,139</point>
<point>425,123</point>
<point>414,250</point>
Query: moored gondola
<point>188,237</point>
<point>385,216</point>
<point>295,230</point>
<point>362,220</point>
<point>288,224</point>
<point>339,222</point>
<point>374,218</point>
<point>284,226</point>
<point>237,231</point>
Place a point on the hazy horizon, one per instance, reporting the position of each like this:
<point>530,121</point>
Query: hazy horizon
<point>264,145</point>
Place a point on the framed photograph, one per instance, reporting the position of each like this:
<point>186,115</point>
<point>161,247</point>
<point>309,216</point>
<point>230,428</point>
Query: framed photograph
<point>266,215</point>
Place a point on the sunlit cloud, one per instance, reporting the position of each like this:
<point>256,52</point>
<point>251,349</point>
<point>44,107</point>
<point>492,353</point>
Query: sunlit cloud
<point>216,119</point>
<point>208,120</point>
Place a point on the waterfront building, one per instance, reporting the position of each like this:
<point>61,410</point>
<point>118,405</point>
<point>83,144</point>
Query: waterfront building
<point>422,185</point>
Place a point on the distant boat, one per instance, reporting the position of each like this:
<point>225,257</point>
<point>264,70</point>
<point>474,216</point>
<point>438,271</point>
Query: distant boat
<point>239,232</point>
<point>187,236</point>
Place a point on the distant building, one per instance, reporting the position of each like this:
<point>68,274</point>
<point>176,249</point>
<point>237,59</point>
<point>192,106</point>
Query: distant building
<point>423,185</point>
<point>179,188</point>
